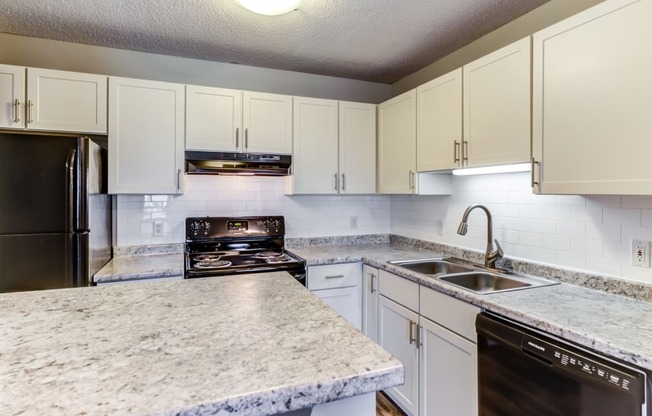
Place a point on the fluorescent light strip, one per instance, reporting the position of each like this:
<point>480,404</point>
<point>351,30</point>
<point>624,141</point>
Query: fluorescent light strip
<point>270,7</point>
<point>487,170</point>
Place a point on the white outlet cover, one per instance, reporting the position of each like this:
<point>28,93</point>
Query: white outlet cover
<point>641,253</point>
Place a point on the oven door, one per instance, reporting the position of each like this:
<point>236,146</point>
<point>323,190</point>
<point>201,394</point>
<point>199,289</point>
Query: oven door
<point>525,372</point>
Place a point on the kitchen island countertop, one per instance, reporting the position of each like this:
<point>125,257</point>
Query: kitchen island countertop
<point>248,344</point>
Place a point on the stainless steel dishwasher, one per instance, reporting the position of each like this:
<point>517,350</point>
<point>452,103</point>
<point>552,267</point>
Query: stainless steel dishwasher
<point>522,371</point>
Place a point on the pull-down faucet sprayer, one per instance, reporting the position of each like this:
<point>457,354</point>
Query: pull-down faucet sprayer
<point>490,255</point>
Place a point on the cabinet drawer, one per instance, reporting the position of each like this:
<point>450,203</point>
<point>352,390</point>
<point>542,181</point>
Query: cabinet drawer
<point>451,313</point>
<point>400,290</point>
<point>334,275</point>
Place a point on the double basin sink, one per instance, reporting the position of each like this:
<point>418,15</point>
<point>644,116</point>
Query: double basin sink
<point>472,277</point>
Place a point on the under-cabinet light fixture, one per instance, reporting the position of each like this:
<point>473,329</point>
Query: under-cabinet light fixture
<point>270,7</point>
<point>487,170</point>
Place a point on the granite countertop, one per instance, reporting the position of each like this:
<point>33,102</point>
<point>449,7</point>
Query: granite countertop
<point>135,267</point>
<point>247,344</point>
<point>618,326</point>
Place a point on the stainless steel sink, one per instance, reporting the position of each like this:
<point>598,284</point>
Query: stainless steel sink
<point>484,282</point>
<point>432,266</point>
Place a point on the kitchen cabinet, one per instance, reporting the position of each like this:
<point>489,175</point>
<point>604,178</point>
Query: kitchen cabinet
<point>439,123</point>
<point>338,285</point>
<point>591,83</point>
<point>267,123</point>
<point>370,301</point>
<point>447,356</point>
<point>496,103</point>
<point>49,100</point>
<point>397,151</point>
<point>398,323</point>
<point>334,147</point>
<point>146,137</point>
<point>213,119</point>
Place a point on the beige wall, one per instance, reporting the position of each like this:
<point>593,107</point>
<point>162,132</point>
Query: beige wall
<point>539,18</point>
<point>41,53</point>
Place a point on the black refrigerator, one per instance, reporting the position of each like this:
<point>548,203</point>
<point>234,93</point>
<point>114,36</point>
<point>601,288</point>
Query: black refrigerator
<point>55,214</point>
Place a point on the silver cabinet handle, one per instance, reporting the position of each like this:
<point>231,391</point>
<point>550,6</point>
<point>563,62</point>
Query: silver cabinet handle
<point>335,276</point>
<point>456,148</point>
<point>70,190</point>
<point>413,338</point>
<point>17,111</point>
<point>371,286</point>
<point>237,137</point>
<point>30,109</point>
<point>465,152</point>
<point>532,182</point>
<point>343,182</point>
<point>412,181</point>
<point>337,184</point>
<point>418,340</point>
<point>178,179</point>
<point>246,143</point>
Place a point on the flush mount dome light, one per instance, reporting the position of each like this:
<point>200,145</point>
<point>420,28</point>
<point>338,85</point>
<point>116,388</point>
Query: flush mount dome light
<point>270,7</point>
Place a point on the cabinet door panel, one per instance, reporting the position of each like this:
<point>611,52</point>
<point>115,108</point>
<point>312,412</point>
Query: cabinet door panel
<point>66,101</point>
<point>448,373</point>
<point>397,144</point>
<point>357,139</point>
<point>12,88</point>
<point>394,336</point>
<point>345,301</point>
<point>213,119</point>
<point>497,106</point>
<point>315,146</point>
<point>267,120</point>
<point>439,123</point>
<point>370,302</point>
<point>146,137</point>
<point>591,109</point>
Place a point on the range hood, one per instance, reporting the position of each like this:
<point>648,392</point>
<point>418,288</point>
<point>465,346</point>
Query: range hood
<point>222,163</point>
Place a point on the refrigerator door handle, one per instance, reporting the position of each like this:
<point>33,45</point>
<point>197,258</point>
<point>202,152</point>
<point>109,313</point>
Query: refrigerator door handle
<point>70,190</point>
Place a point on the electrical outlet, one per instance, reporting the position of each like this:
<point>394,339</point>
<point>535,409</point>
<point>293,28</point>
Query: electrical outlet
<point>641,253</point>
<point>354,222</point>
<point>158,229</point>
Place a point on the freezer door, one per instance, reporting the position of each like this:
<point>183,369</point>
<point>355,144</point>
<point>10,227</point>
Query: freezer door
<point>36,261</point>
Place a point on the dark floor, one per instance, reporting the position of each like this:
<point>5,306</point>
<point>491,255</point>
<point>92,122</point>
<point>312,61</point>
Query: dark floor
<point>385,407</point>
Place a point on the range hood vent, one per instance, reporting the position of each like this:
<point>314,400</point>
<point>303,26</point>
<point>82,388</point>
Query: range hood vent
<point>221,163</point>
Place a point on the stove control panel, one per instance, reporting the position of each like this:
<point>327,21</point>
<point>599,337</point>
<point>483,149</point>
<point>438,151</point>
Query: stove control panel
<point>199,228</point>
<point>271,225</point>
<point>237,225</point>
<point>203,228</point>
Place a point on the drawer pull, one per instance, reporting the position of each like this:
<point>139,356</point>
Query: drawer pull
<point>335,276</point>
<point>413,337</point>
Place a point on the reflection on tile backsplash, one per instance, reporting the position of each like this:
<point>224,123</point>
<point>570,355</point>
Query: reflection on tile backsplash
<point>306,216</point>
<point>589,233</point>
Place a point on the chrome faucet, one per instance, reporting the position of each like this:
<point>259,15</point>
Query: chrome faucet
<point>490,255</point>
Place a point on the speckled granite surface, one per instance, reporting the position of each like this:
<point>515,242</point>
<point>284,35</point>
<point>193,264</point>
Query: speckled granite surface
<point>248,344</point>
<point>149,250</point>
<point>124,268</point>
<point>615,325</point>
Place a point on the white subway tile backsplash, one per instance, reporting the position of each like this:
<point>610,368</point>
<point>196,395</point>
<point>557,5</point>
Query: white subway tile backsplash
<point>623,216</point>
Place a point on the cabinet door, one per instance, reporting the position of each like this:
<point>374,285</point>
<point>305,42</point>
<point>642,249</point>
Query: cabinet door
<point>213,119</point>
<point>397,125</point>
<point>66,101</point>
<point>448,373</point>
<point>267,120</point>
<point>439,123</point>
<point>591,107</point>
<point>345,301</point>
<point>357,138</point>
<point>146,143</point>
<point>370,302</point>
<point>315,146</point>
<point>12,96</point>
<point>497,107</point>
<point>397,334</point>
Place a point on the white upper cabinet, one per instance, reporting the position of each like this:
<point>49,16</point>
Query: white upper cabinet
<point>357,142</point>
<point>439,123</point>
<point>50,100</point>
<point>497,107</point>
<point>267,122</point>
<point>146,131</point>
<point>397,134</point>
<point>591,107</point>
<point>334,147</point>
<point>213,119</point>
<point>315,164</point>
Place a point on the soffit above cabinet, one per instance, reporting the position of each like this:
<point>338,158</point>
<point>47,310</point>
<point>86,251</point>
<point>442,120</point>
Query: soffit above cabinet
<point>379,41</point>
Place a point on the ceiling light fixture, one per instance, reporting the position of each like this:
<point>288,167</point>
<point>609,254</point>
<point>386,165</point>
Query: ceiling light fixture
<point>521,167</point>
<point>270,7</point>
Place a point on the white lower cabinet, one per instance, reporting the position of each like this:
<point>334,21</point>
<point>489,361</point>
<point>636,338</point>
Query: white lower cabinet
<point>370,302</point>
<point>338,285</point>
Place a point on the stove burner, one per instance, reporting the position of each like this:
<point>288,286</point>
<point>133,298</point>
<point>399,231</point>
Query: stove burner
<point>279,259</point>
<point>212,264</point>
<point>269,254</point>
<point>207,257</point>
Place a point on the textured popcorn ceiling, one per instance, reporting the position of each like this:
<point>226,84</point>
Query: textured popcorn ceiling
<point>373,40</point>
